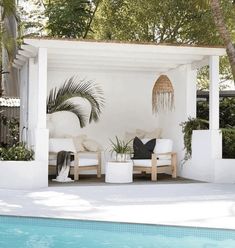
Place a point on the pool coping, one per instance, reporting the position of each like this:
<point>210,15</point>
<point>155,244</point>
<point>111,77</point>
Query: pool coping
<point>123,204</point>
<point>115,222</point>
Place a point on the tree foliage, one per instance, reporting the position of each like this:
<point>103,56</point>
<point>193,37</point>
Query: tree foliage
<point>171,21</point>
<point>7,39</point>
<point>68,18</point>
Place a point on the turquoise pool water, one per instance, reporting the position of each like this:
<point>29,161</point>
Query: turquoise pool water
<point>18,232</point>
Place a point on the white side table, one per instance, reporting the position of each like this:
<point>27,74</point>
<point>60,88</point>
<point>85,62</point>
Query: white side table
<point>119,172</point>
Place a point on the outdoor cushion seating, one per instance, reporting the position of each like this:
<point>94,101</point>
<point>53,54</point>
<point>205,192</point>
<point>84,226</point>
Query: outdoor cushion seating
<point>82,160</point>
<point>163,160</point>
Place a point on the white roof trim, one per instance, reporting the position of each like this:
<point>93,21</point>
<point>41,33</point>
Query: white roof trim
<point>85,55</point>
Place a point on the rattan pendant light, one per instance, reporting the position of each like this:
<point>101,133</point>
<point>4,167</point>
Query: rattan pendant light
<point>162,95</point>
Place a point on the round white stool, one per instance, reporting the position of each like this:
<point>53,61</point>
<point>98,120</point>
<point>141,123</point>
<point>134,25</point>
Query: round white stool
<point>119,172</point>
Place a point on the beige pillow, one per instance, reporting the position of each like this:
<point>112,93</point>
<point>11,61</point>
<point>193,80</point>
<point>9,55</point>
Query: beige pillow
<point>155,134</point>
<point>129,136</point>
<point>91,145</point>
<point>140,133</point>
<point>78,143</point>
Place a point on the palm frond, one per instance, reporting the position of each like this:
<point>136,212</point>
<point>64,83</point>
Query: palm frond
<point>74,87</point>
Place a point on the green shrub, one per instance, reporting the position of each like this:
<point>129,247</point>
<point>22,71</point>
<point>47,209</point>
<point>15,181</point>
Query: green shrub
<point>16,153</point>
<point>227,111</point>
<point>227,123</point>
<point>228,143</point>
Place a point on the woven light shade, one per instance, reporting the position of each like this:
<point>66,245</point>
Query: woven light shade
<point>162,95</point>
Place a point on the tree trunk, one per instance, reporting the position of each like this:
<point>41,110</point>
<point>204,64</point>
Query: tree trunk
<point>91,19</point>
<point>224,33</point>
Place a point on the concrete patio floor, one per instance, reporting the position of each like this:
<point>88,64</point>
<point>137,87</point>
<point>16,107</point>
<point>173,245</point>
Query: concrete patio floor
<point>188,204</point>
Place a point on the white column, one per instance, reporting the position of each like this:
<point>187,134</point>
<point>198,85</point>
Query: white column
<point>214,92</point>
<point>191,93</point>
<point>41,133</point>
<point>216,137</point>
<point>42,87</point>
<point>33,99</point>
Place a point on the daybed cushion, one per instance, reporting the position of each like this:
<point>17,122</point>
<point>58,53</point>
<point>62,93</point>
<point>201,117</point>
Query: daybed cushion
<point>148,163</point>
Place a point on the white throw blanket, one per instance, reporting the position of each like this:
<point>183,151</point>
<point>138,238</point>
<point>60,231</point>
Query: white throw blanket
<point>63,167</point>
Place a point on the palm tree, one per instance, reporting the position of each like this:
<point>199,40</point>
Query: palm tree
<point>7,35</point>
<point>60,99</point>
<point>224,33</point>
<point>222,28</point>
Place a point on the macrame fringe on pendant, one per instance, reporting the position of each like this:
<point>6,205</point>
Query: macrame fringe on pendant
<point>162,95</point>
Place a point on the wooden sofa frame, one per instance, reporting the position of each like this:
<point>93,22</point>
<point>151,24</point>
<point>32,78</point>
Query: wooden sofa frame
<point>154,169</point>
<point>76,169</point>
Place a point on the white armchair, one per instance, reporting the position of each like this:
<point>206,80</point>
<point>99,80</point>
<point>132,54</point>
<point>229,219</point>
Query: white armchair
<point>163,160</point>
<point>82,160</point>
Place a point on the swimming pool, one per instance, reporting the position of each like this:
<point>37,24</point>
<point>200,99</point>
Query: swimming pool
<point>21,232</point>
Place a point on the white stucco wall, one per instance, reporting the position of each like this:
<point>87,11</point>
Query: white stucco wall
<point>127,103</point>
<point>184,83</point>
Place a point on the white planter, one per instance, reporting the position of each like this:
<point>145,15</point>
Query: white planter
<point>121,157</point>
<point>119,172</point>
<point>23,174</point>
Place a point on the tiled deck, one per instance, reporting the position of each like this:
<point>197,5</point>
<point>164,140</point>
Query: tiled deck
<point>188,204</point>
<point>138,179</point>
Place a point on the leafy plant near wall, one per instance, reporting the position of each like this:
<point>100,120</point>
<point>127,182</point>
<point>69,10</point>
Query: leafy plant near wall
<point>17,152</point>
<point>187,129</point>
<point>60,99</point>
<point>13,150</point>
<point>12,125</point>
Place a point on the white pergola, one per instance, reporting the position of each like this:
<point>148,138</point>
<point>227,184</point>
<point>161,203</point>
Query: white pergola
<point>91,55</point>
<point>43,55</point>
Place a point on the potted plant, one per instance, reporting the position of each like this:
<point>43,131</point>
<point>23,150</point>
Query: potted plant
<point>121,148</point>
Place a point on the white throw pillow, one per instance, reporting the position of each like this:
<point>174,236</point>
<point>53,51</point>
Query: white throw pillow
<point>78,142</point>
<point>91,145</point>
<point>163,146</point>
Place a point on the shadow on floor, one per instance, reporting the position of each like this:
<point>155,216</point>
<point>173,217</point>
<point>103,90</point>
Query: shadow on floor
<point>86,180</point>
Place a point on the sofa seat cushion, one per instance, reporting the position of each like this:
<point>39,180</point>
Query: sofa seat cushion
<point>82,162</point>
<point>148,162</point>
